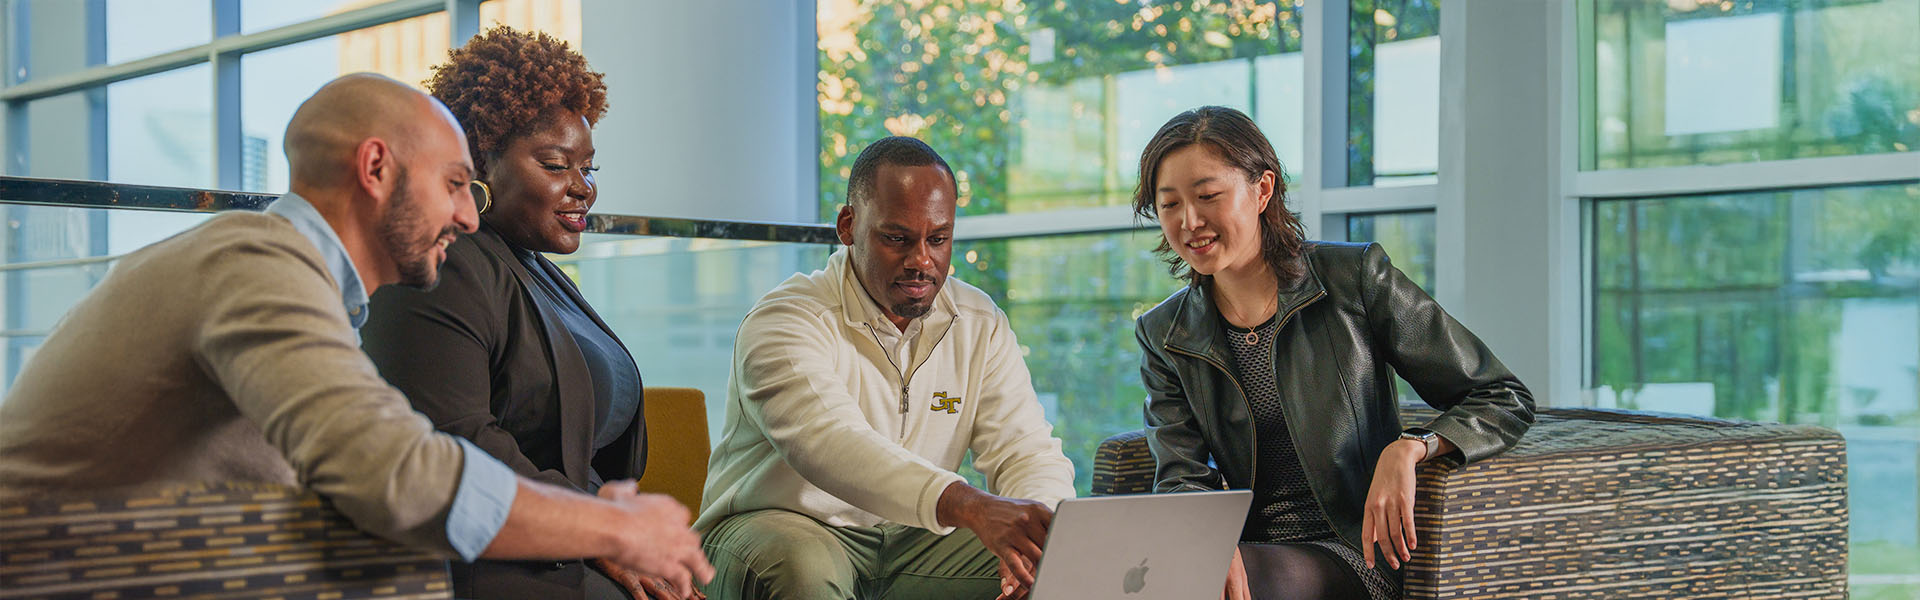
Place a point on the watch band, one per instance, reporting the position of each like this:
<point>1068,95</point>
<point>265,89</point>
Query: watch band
<point>1426,437</point>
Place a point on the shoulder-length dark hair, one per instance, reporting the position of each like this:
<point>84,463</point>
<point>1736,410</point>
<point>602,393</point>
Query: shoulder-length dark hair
<point>1236,139</point>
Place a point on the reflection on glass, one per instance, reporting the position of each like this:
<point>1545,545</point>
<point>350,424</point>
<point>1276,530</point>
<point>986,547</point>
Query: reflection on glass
<point>160,129</point>
<point>1408,238</point>
<point>159,132</point>
<point>1393,78</point>
<point>676,303</point>
<point>1046,105</point>
<point>1797,306</point>
<point>140,28</point>
<point>1072,301</point>
<point>1810,78</point>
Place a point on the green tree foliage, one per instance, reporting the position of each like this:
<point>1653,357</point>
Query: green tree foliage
<point>948,71</point>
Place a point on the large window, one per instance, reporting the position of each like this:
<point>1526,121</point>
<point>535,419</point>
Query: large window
<point>1742,292</point>
<point>1393,78</point>
<point>1810,78</point>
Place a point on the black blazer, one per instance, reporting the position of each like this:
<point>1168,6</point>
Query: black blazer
<point>485,361</point>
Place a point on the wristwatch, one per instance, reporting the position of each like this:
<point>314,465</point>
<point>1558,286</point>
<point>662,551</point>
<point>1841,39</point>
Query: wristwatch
<point>1426,437</point>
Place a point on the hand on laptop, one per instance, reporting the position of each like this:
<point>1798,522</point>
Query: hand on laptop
<point>1012,528</point>
<point>1237,580</point>
<point>1010,586</point>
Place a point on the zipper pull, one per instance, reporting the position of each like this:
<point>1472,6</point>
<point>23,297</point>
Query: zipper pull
<point>903,399</point>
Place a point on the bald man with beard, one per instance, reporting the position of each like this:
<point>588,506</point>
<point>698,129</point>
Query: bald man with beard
<point>231,352</point>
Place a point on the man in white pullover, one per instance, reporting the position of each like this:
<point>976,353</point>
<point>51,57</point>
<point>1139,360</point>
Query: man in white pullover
<point>856,392</point>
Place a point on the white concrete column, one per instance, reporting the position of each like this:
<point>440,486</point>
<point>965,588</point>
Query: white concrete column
<point>1505,251</point>
<point>711,109</point>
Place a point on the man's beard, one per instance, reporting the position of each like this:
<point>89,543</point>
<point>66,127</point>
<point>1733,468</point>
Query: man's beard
<point>412,253</point>
<point>915,309</point>
<point>912,310</point>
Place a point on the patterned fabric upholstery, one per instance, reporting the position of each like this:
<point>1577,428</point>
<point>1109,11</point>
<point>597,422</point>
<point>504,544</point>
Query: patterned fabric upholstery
<point>225,541</point>
<point>1615,504</point>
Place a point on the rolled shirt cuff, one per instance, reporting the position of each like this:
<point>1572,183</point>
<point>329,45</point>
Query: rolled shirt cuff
<point>481,503</point>
<point>929,503</point>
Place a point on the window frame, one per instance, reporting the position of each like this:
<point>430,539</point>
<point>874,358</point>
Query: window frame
<point>223,52</point>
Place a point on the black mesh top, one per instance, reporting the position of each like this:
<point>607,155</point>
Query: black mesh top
<point>1284,509</point>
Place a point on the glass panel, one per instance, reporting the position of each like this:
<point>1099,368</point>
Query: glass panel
<point>73,247</point>
<point>261,15</point>
<point>558,18</point>
<point>274,82</point>
<point>1046,105</point>
<point>64,138</point>
<point>1076,330</point>
<point>159,132</point>
<point>1811,78</point>
<point>62,134</point>
<point>160,129</point>
<point>140,28</point>
<point>1408,238</point>
<point>1795,306</point>
<point>58,33</point>
<point>676,303</point>
<point>1393,79</point>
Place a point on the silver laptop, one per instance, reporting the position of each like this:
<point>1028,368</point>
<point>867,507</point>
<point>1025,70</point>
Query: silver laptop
<point>1141,547</point>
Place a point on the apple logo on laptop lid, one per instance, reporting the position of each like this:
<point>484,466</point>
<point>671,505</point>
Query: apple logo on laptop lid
<point>1136,579</point>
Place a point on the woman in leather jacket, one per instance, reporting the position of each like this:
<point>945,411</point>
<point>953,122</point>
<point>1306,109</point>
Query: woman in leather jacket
<point>1273,371</point>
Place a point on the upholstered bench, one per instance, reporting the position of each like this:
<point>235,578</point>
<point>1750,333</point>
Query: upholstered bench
<point>220,541</point>
<point>1615,504</point>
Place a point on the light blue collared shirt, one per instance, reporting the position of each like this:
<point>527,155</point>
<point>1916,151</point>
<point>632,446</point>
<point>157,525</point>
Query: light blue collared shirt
<point>487,486</point>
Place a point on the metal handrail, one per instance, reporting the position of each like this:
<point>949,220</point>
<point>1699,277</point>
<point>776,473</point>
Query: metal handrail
<point>99,194</point>
<point>59,263</point>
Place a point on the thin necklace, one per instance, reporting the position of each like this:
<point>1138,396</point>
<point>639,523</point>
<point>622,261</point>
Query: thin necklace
<point>1252,335</point>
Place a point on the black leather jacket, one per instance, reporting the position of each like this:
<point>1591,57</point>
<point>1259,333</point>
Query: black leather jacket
<point>1341,327</point>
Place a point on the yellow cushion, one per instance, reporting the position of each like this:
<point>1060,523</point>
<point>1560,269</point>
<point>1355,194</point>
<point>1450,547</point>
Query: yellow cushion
<point>677,447</point>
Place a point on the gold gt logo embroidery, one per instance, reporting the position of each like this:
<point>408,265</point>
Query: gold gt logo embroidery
<point>942,403</point>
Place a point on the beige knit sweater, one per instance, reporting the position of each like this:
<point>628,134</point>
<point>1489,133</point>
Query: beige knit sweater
<point>225,354</point>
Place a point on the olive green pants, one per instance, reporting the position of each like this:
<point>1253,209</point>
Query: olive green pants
<point>789,556</point>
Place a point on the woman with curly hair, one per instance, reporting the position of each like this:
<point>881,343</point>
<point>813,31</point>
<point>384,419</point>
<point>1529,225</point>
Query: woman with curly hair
<point>505,351</point>
<point>1272,371</point>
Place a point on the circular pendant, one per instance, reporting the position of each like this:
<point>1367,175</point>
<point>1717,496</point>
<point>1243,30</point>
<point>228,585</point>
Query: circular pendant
<point>1253,337</point>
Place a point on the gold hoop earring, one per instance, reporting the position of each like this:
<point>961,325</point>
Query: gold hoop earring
<point>486,195</point>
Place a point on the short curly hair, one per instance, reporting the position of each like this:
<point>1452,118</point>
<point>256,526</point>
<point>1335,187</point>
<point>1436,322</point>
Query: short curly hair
<point>504,82</point>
